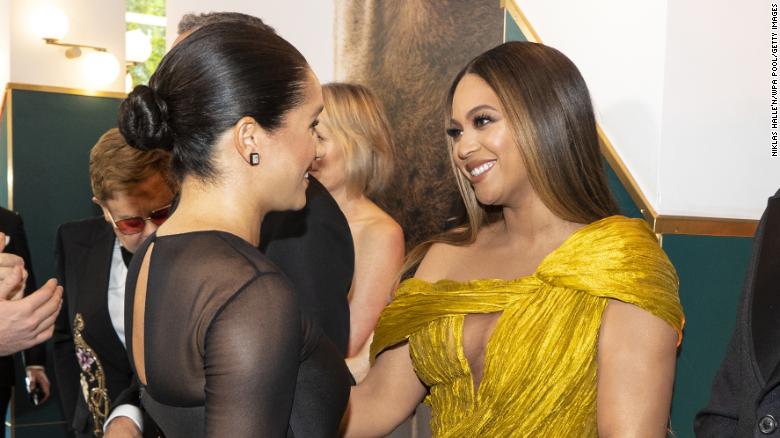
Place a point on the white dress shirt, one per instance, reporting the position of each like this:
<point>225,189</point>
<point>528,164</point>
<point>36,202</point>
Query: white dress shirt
<point>116,309</point>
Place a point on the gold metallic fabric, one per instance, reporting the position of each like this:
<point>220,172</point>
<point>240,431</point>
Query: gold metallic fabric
<point>539,374</point>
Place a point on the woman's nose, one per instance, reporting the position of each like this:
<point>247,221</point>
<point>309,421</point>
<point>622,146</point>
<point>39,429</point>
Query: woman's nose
<point>466,147</point>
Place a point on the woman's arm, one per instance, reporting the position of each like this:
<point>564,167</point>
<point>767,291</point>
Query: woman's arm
<point>379,253</point>
<point>389,394</point>
<point>636,360</point>
<point>252,350</point>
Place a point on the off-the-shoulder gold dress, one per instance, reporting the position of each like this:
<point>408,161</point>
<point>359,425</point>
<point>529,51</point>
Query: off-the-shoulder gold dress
<point>539,376</point>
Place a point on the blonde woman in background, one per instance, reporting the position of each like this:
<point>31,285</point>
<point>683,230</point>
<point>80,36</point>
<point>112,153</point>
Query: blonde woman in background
<point>356,163</point>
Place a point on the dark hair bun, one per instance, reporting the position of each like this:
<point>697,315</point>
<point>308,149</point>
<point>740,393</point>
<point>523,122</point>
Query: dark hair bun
<point>143,120</point>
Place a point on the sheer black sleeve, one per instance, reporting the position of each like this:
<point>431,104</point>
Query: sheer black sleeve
<point>251,361</point>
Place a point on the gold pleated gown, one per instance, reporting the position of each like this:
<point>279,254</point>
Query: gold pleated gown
<point>539,375</point>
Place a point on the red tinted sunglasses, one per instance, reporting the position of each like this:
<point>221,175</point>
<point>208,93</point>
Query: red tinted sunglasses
<point>136,224</point>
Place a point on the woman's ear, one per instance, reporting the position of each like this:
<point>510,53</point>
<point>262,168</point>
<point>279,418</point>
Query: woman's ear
<point>248,136</point>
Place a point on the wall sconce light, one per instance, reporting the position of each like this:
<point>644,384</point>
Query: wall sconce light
<point>100,66</point>
<point>51,24</point>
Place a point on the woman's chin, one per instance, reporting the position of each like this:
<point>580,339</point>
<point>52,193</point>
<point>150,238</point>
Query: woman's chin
<point>487,198</point>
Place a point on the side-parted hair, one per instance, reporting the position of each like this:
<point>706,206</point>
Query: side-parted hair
<point>550,114</point>
<point>115,166</point>
<point>359,125</point>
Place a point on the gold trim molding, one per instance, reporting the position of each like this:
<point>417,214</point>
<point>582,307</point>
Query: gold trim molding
<point>703,226</point>
<point>64,90</point>
<point>9,156</point>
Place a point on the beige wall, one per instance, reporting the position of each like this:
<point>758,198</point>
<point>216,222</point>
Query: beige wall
<point>307,25</point>
<point>5,42</point>
<point>93,22</point>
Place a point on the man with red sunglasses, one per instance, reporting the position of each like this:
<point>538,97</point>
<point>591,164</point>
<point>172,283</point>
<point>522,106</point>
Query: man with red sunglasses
<point>134,189</point>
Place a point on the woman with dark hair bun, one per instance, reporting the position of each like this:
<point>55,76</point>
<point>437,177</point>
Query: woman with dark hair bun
<point>215,333</point>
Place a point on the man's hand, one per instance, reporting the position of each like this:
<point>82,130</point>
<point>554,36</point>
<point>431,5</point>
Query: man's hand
<point>36,378</point>
<point>13,276</point>
<point>28,321</point>
<point>122,427</point>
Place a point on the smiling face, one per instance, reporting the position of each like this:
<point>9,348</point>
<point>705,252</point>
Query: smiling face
<point>483,147</point>
<point>293,147</point>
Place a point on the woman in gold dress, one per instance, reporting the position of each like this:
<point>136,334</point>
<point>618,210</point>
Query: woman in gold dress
<point>547,314</point>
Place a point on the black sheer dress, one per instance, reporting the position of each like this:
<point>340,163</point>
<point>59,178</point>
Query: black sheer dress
<point>227,352</point>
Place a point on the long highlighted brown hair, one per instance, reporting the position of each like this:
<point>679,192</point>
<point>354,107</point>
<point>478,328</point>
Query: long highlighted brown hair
<point>550,115</point>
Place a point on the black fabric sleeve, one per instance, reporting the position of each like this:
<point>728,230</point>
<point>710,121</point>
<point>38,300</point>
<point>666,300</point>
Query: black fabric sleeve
<point>251,361</point>
<point>721,415</point>
<point>65,365</point>
<point>130,396</point>
<point>313,247</point>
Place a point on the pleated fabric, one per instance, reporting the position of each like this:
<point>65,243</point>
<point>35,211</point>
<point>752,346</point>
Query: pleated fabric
<point>539,374</point>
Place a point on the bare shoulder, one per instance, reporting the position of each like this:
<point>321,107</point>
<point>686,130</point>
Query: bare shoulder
<point>449,261</point>
<point>380,230</point>
<point>646,329</point>
<point>438,260</point>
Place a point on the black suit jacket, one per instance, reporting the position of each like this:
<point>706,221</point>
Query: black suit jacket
<point>746,389</point>
<point>83,256</point>
<point>11,224</point>
<point>314,248</point>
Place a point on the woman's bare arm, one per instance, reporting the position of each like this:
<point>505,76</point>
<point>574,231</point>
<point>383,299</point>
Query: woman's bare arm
<point>389,395</point>
<point>379,253</point>
<point>636,360</point>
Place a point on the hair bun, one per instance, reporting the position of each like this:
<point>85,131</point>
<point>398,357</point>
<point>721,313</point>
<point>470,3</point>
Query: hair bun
<point>143,120</point>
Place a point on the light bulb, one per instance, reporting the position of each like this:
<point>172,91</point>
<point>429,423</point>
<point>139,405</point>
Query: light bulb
<point>49,22</point>
<point>138,46</point>
<point>100,69</point>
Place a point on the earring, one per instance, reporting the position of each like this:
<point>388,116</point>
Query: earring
<point>254,158</point>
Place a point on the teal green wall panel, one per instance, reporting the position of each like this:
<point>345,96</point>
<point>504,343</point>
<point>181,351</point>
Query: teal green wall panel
<point>711,271</point>
<point>512,32</point>
<point>52,136</point>
<point>627,205</point>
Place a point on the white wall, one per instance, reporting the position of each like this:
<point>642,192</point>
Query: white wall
<point>682,91</point>
<point>92,22</point>
<point>618,46</point>
<point>5,43</point>
<point>307,25</point>
<point>715,149</point>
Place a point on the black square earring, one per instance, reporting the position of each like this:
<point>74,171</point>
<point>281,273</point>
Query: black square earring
<point>254,158</point>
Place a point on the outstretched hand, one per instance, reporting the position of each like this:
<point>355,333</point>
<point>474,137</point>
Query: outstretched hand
<point>28,321</point>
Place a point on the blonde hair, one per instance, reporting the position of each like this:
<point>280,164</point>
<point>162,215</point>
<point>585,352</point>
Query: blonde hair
<point>359,125</point>
<point>115,166</point>
<point>550,115</point>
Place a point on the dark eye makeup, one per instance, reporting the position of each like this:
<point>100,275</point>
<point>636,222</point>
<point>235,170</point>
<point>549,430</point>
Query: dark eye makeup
<point>481,120</point>
<point>453,132</point>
